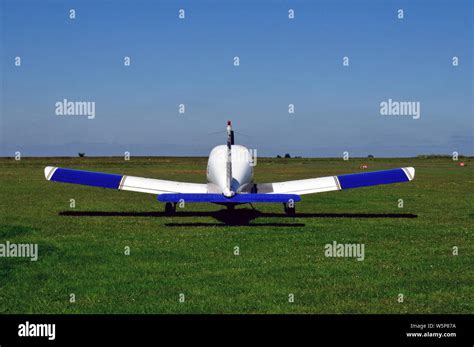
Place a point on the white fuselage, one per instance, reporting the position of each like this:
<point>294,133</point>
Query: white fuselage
<point>241,172</point>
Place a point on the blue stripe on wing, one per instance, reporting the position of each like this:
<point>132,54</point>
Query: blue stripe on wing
<point>219,198</point>
<point>372,178</point>
<point>96,179</point>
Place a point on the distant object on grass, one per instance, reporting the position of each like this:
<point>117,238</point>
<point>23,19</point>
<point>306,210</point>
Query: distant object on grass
<point>288,156</point>
<point>370,156</point>
<point>364,166</point>
<point>462,164</point>
<point>81,155</point>
<point>437,156</point>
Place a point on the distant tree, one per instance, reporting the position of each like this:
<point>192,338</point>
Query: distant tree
<point>371,156</point>
<point>81,155</point>
<point>437,156</point>
<point>278,156</point>
<point>287,155</point>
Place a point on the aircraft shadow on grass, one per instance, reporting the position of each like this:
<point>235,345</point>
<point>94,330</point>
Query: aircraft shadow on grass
<point>238,217</point>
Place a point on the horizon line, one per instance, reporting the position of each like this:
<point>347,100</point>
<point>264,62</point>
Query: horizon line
<point>263,157</point>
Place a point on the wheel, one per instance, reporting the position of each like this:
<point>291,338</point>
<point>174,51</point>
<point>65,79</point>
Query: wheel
<point>290,209</point>
<point>170,208</point>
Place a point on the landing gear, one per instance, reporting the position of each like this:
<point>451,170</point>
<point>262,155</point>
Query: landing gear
<point>290,208</point>
<point>170,208</point>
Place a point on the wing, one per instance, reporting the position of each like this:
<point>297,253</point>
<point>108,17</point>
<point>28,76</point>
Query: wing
<point>121,182</point>
<point>326,184</point>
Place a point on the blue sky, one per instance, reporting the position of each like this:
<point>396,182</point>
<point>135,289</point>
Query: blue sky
<point>282,61</point>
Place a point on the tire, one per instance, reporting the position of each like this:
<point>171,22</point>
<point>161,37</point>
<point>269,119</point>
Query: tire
<point>169,208</point>
<point>290,211</point>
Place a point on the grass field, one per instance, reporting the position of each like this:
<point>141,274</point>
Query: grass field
<point>408,250</point>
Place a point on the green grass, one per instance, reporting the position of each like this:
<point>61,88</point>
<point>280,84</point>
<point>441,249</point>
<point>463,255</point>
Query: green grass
<point>193,254</point>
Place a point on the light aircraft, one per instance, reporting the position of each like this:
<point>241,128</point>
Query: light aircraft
<point>229,181</point>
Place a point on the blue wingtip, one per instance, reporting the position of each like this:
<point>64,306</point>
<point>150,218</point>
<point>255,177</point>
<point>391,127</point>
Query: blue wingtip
<point>89,178</point>
<point>372,178</point>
